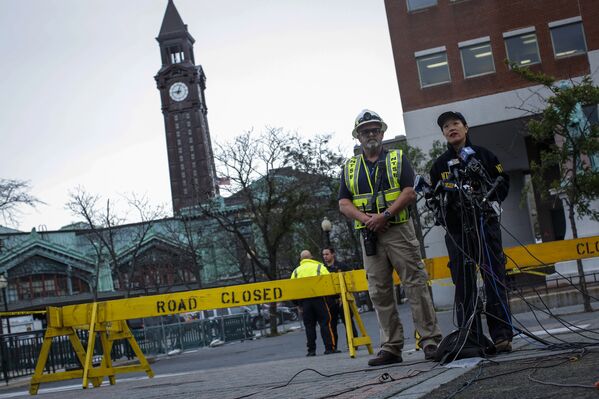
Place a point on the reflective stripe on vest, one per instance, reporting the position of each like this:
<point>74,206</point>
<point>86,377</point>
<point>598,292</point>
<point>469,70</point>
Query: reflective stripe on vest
<point>355,166</point>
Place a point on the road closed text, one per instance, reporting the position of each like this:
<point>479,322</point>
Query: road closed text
<point>177,306</point>
<point>257,295</point>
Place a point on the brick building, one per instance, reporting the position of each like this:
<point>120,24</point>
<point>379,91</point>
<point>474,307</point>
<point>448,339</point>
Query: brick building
<point>450,55</point>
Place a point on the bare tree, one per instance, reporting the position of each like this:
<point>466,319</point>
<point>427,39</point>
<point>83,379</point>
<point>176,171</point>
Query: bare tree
<point>183,230</point>
<point>13,195</point>
<point>108,237</point>
<point>280,187</point>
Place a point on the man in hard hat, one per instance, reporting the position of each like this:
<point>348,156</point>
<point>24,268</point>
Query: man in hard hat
<point>315,310</point>
<point>375,191</point>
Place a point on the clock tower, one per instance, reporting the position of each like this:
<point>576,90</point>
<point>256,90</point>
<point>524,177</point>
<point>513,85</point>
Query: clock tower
<point>181,84</point>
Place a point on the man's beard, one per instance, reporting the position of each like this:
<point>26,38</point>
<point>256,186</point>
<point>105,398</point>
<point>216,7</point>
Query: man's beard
<point>372,145</point>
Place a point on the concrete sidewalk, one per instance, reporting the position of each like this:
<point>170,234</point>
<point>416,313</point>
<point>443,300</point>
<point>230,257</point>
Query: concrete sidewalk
<point>528,372</point>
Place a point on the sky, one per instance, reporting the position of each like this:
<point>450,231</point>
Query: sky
<point>80,108</point>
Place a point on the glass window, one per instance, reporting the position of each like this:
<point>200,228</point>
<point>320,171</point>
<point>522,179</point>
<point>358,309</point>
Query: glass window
<point>433,69</point>
<point>523,49</point>
<point>568,40</point>
<point>477,59</point>
<point>419,4</point>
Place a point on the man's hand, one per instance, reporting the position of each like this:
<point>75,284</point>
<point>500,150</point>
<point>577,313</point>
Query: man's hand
<point>377,222</point>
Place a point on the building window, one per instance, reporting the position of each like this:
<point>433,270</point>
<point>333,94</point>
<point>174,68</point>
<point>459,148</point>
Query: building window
<point>477,57</point>
<point>176,54</point>
<point>432,67</point>
<point>176,117</point>
<point>414,5</point>
<point>567,37</point>
<point>522,47</point>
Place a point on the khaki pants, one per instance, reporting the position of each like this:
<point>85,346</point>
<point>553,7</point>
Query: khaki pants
<point>398,248</point>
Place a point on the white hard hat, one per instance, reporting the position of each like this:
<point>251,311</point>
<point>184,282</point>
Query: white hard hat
<point>367,116</point>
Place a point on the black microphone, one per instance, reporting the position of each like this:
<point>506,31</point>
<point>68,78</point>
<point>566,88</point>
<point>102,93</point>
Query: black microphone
<point>438,188</point>
<point>453,166</point>
<point>421,185</point>
<point>493,188</point>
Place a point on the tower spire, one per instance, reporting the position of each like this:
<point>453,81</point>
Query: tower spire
<point>172,22</point>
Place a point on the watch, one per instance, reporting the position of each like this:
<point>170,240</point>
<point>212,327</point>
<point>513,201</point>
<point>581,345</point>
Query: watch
<point>387,215</point>
<point>178,91</point>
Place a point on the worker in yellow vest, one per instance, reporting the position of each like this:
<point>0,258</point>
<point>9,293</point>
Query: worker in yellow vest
<point>315,309</point>
<point>376,189</point>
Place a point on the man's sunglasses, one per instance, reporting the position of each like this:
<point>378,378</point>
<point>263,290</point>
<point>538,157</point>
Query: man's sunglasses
<point>368,132</point>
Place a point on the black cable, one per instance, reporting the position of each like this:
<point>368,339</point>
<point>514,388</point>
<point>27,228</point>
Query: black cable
<point>370,369</point>
<point>467,383</point>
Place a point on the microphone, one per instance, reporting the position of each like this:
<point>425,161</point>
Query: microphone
<point>453,166</point>
<point>493,188</point>
<point>421,185</point>
<point>438,188</point>
<point>465,153</point>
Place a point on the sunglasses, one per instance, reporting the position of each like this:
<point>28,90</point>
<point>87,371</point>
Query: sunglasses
<point>368,132</point>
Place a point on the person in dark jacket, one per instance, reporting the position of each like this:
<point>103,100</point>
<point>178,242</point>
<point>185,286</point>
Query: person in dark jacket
<point>473,238</point>
<point>336,307</point>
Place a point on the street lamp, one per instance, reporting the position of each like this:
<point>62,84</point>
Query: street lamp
<point>326,226</point>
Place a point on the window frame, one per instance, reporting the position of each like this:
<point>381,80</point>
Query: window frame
<point>522,32</point>
<point>430,52</point>
<point>560,24</point>
<point>474,42</point>
<point>420,8</point>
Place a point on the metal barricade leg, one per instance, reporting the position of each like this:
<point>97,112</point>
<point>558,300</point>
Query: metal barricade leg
<point>349,305</point>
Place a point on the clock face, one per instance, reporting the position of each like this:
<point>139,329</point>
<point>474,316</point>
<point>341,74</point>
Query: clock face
<point>178,91</point>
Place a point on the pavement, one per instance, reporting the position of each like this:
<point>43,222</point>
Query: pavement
<point>569,368</point>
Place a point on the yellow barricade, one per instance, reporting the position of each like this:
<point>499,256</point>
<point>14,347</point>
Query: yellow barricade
<point>522,259</point>
<point>108,319</point>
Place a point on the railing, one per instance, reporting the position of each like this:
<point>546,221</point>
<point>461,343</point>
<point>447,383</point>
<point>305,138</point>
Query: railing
<point>19,351</point>
<point>554,284</point>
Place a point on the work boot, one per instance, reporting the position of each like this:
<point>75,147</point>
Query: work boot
<point>383,358</point>
<point>311,353</point>
<point>331,351</point>
<point>430,351</point>
<point>503,346</point>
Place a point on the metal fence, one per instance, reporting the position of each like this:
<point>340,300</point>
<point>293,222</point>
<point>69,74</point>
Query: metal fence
<point>19,351</point>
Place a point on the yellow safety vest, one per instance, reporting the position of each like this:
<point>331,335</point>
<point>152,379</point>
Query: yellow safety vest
<point>309,268</point>
<point>355,166</point>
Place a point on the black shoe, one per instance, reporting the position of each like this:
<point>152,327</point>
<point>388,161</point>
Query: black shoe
<point>503,346</point>
<point>311,353</point>
<point>430,351</point>
<point>383,358</point>
<point>331,351</point>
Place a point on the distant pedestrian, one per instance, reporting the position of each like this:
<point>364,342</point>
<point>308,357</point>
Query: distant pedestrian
<point>315,310</point>
<point>328,255</point>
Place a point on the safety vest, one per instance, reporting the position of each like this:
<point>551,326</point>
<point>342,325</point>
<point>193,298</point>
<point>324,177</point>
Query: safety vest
<point>309,268</point>
<point>356,167</point>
